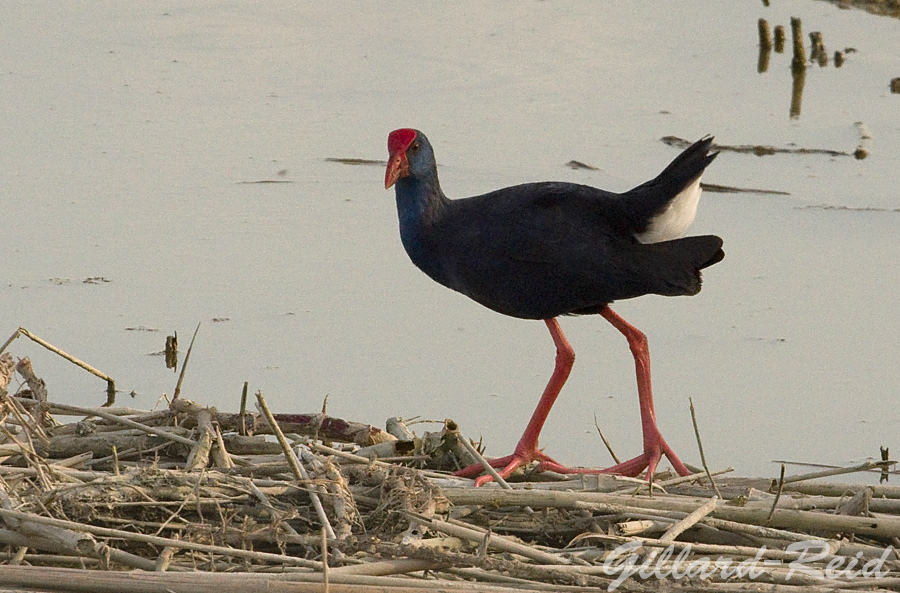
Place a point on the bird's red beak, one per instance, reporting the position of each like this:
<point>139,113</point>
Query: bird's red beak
<point>397,167</point>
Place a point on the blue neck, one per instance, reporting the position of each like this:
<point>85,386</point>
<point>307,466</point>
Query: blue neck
<point>419,204</point>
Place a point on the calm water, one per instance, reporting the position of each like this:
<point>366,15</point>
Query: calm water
<point>131,129</point>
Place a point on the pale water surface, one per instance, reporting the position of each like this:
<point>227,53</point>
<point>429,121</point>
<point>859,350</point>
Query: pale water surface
<point>128,129</point>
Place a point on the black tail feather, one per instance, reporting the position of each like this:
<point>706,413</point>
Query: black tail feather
<point>647,200</point>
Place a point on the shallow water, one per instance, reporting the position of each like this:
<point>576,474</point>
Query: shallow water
<point>130,132</point>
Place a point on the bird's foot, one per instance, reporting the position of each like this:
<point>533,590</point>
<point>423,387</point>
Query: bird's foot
<point>654,449</point>
<point>649,459</point>
<point>507,465</point>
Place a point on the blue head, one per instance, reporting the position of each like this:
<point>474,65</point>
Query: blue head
<point>410,157</point>
<point>411,166</point>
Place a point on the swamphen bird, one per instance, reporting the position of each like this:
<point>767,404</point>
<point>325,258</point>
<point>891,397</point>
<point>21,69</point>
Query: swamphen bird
<point>541,250</point>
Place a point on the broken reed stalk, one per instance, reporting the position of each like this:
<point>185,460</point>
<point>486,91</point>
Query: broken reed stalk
<point>765,46</point>
<point>484,463</point>
<point>243,410</point>
<point>296,467</point>
<point>765,34</point>
<point>110,383</point>
<point>606,442</point>
<point>700,446</point>
<point>818,53</point>
<point>779,38</point>
<point>184,364</point>
<point>867,466</point>
<point>799,59</point>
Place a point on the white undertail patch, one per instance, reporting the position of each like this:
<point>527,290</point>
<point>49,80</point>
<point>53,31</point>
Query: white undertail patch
<point>674,221</point>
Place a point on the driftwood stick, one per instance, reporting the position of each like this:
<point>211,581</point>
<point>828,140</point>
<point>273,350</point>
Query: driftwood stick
<point>862,467</point>
<point>389,567</point>
<point>36,384</point>
<point>692,477</point>
<point>110,383</point>
<point>495,541</point>
<point>880,491</point>
<point>62,541</point>
<point>320,425</point>
<point>161,541</point>
<point>92,581</point>
<point>220,454</point>
<point>126,422</point>
<point>689,521</point>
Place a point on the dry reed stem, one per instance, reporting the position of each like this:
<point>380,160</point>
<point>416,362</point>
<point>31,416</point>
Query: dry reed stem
<point>700,447</point>
<point>296,467</point>
<point>187,357</point>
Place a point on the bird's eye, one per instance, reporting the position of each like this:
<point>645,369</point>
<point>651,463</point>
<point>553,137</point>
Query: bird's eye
<point>414,147</point>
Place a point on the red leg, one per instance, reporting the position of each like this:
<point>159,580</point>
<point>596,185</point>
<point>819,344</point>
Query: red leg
<point>654,444</point>
<point>527,451</point>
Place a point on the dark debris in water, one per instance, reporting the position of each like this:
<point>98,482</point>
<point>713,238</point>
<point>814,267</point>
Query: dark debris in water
<point>351,161</point>
<point>579,165</point>
<point>91,280</point>
<point>757,149</point>
<point>847,208</point>
<point>261,181</point>
<point>727,189</point>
